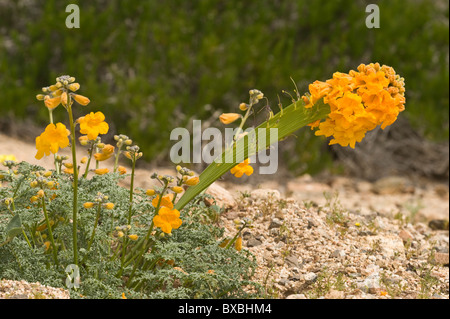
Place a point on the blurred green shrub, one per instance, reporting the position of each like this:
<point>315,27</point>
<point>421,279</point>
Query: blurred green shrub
<point>154,65</point>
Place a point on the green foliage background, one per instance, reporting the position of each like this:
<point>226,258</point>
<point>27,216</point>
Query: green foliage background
<point>151,66</point>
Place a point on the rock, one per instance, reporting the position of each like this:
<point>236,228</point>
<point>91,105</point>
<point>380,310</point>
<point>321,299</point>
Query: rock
<point>279,214</point>
<point>438,224</point>
<point>392,185</point>
<point>246,235</point>
<point>292,261</point>
<point>253,242</point>
<point>222,196</point>
<point>370,283</point>
<point>388,245</point>
<point>337,254</point>
<point>405,236</point>
<point>312,223</point>
<point>364,187</point>
<point>310,277</point>
<point>263,194</point>
<point>335,294</point>
<point>275,223</point>
<point>296,296</point>
<point>231,215</point>
<point>441,259</point>
<point>441,190</point>
<point>283,281</point>
<point>274,232</point>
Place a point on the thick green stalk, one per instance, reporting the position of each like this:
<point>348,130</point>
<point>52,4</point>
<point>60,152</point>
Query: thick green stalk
<point>287,122</point>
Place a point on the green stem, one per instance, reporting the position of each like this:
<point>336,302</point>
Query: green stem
<point>236,236</point>
<point>89,162</point>
<point>116,162</point>
<point>75,182</point>
<point>99,209</point>
<point>133,167</point>
<point>50,233</point>
<point>130,210</point>
<point>147,237</point>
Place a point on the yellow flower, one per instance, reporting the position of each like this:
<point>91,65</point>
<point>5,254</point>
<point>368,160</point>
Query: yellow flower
<point>51,140</point>
<point>166,201</point>
<point>150,192</point>
<point>81,100</point>
<point>93,124</point>
<point>83,140</point>
<point>133,237</point>
<point>52,103</point>
<point>192,181</point>
<point>74,87</point>
<point>84,160</point>
<point>101,171</point>
<point>242,168</point>
<point>88,205</point>
<point>177,189</point>
<point>68,170</point>
<point>228,118</point>
<point>122,170</point>
<point>47,245</point>
<point>123,296</point>
<point>167,219</point>
<point>109,206</point>
<point>238,243</point>
<point>107,152</point>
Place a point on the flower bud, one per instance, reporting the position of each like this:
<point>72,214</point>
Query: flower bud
<point>88,205</point>
<point>177,189</point>
<point>81,99</point>
<point>192,181</point>
<point>133,237</point>
<point>228,118</point>
<point>122,170</point>
<point>150,192</point>
<point>109,206</point>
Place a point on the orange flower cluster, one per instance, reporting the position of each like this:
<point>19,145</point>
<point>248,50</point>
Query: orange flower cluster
<point>359,102</point>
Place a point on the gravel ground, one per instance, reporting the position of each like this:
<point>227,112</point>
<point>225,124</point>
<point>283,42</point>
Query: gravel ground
<point>305,250</point>
<point>10,289</point>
